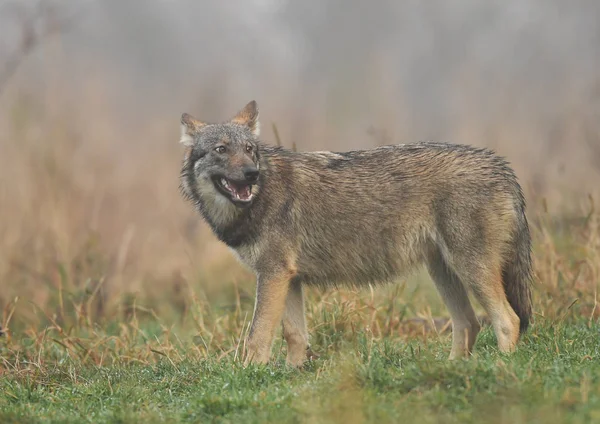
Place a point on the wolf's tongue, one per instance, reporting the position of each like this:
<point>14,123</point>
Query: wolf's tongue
<point>241,191</point>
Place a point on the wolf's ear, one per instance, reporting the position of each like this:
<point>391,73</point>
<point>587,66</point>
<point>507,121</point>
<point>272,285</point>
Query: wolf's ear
<point>248,116</point>
<point>189,127</point>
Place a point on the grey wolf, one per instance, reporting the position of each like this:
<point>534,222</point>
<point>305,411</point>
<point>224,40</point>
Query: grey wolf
<point>366,216</point>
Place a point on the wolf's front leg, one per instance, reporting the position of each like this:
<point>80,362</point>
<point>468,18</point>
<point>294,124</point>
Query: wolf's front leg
<point>294,326</point>
<point>271,293</point>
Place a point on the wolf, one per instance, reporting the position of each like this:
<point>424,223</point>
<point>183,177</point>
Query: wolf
<point>362,217</point>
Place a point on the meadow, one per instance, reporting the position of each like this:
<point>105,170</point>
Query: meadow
<point>91,336</point>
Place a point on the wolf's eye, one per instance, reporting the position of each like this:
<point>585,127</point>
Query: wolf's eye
<point>220,149</point>
<point>249,148</point>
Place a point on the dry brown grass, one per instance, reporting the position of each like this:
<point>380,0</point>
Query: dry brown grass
<point>83,246</point>
<point>93,229</point>
<point>77,221</point>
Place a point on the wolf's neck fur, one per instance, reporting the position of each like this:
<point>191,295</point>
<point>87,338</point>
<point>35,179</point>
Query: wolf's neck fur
<point>218,211</point>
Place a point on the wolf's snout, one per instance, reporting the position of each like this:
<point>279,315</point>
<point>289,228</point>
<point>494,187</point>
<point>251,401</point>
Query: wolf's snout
<point>251,174</point>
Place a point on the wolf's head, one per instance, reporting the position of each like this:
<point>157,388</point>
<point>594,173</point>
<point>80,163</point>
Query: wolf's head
<point>222,160</point>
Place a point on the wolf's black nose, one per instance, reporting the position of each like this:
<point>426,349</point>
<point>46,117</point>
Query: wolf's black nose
<point>251,174</point>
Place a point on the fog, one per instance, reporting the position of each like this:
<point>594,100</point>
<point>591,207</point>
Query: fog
<point>326,71</point>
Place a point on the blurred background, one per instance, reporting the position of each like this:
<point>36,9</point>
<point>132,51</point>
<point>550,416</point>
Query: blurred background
<point>91,93</point>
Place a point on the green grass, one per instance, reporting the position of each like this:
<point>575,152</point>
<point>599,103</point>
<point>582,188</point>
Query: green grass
<point>554,377</point>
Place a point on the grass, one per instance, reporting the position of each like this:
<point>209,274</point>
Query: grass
<point>87,358</point>
<point>173,355</point>
<point>553,378</point>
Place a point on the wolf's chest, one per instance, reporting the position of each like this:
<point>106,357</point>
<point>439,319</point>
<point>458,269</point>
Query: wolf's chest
<point>247,255</point>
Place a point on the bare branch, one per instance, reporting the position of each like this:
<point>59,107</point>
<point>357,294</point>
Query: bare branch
<point>44,15</point>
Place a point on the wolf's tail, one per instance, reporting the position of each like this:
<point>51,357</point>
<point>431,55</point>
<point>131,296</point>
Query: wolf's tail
<point>517,271</point>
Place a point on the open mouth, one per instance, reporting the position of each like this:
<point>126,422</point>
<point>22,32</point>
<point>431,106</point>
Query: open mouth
<point>239,192</point>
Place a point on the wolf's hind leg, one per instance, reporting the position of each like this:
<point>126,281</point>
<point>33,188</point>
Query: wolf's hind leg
<point>465,325</point>
<point>294,326</point>
<point>484,277</point>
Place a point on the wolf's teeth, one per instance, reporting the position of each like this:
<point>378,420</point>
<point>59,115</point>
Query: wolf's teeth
<point>225,184</point>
